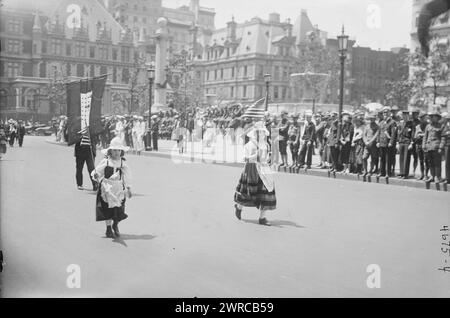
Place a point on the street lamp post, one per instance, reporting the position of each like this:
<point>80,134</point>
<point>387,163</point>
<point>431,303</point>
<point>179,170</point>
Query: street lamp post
<point>343,47</point>
<point>151,78</point>
<point>267,80</point>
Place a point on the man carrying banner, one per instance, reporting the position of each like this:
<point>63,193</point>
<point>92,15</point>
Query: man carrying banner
<point>84,101</point>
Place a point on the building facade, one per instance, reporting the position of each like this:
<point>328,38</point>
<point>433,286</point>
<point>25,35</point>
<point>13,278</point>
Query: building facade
<point>62,41</point>
<point>439,29</point>
<point>371,69</point>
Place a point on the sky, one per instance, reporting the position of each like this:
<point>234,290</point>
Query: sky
<point>379,24</point>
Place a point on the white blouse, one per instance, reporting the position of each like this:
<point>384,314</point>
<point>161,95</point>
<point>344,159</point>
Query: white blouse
<point>126,173</point>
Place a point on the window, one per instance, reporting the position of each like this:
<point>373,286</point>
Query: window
<point>144,19</point>
<point>207,75</point>
<point>244,91</point>
<point>80,70</point>
<point>135,19</point>
<point>245,71</point>
<point>80,49</point>
<point>43,70</point>
<point>13,69</point>
<point>68,49</point>
<point>68,70</point>
<point>231,91</point>
<point>92,52</point>
<point>13,46</point>
<point>92,71</point>
<point>125,54</point>
<point>114,54</point>
<point>277,73</point>
<point>283,94</point>
<point>221,74</point>
<point>103,70</point>
<point>215,74</point>
<point>26,46</point>
<point>114,75</point>
<point>14,26</point>
<point>232,72</point>
<point>56,46</point>
<point>103,51</point>
<point>125,76</point>
<point>44,47</point>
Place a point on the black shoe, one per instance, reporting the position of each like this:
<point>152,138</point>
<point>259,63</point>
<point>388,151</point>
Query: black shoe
<point>264,222</point>
<point>115,228</point>
<point>238,212</point>
<point>109,232</point>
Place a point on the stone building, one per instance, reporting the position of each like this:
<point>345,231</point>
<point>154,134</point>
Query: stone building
<point>371,69</point>
<point>233,61</point>
<point>62,40</point>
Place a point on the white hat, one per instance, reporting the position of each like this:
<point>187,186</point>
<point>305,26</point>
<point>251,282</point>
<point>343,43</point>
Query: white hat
<point>116,144</point>
<point>259,126</point>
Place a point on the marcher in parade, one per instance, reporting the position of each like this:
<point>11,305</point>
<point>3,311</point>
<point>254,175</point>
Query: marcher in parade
<point>20,133</point>
<point>2,141</point>
<point>12,133</point>
<point>433,147</point>
<point>85,152</point>
<point>114,178</point>
<point>256,186</point>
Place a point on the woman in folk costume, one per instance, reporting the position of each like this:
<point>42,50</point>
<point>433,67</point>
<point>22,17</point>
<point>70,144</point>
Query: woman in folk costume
<point>114,177</point>
<point>256,186</point>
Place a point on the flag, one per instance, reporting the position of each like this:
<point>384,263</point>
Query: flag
<point>84,107</point>
<point>256,110</point>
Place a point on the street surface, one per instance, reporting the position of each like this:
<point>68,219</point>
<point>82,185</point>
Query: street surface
<point>183,240</point>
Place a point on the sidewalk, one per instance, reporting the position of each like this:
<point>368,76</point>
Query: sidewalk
<point>223,152</point>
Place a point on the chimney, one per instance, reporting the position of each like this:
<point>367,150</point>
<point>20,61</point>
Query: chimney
<point>288,28</point>
<point>274,17</point>
<point>231,28</point>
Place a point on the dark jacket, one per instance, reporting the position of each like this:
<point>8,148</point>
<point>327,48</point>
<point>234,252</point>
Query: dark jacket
<point>445,140</point>
<point>432,138</point>
<point>405,132</point>
<point>370,135</point>
<point>84,150</point>
<point>388,133</point>
<point>310,133</point>
<point>333,137</point>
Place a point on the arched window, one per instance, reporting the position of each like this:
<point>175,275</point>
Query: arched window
<point>30,98</point>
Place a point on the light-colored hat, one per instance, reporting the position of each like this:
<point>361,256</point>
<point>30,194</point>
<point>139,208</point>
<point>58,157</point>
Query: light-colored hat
<point>308,113</point>
<point>260,127</point>
<point>116,144</point>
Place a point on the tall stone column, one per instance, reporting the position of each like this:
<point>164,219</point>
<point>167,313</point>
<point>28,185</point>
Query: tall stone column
<point>160,66</point>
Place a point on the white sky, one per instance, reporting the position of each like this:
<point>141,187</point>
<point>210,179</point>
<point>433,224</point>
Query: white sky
<point>391,29</point>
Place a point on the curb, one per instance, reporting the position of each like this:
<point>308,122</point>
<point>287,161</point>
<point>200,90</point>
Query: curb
<point>443,187</point>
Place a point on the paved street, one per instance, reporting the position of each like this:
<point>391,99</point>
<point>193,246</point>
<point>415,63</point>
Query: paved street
<point>182,239</point>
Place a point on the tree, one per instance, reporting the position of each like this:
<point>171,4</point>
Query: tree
<point>317,58</point>
<point>429,73</point>
<point>399,93</point>
<point>56,92</point>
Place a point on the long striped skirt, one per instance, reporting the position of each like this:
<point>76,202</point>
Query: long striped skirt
<point>251,191</point>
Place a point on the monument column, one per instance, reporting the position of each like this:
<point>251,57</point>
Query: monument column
<point>160,66</point>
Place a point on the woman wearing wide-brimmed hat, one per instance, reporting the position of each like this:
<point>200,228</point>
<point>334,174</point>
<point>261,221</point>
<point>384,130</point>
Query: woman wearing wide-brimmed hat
<point>256,187</point>
<point>114,177</point>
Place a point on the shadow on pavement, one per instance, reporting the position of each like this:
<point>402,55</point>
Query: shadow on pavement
<point>130,237</point>
<point>277,223</point>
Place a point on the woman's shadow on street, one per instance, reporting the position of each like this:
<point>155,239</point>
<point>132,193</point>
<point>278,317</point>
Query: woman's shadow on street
<point>131,237</point>
<point>277,223</point>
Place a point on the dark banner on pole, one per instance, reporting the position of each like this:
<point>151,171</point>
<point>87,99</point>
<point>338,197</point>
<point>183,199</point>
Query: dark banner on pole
<point>84,107</point>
